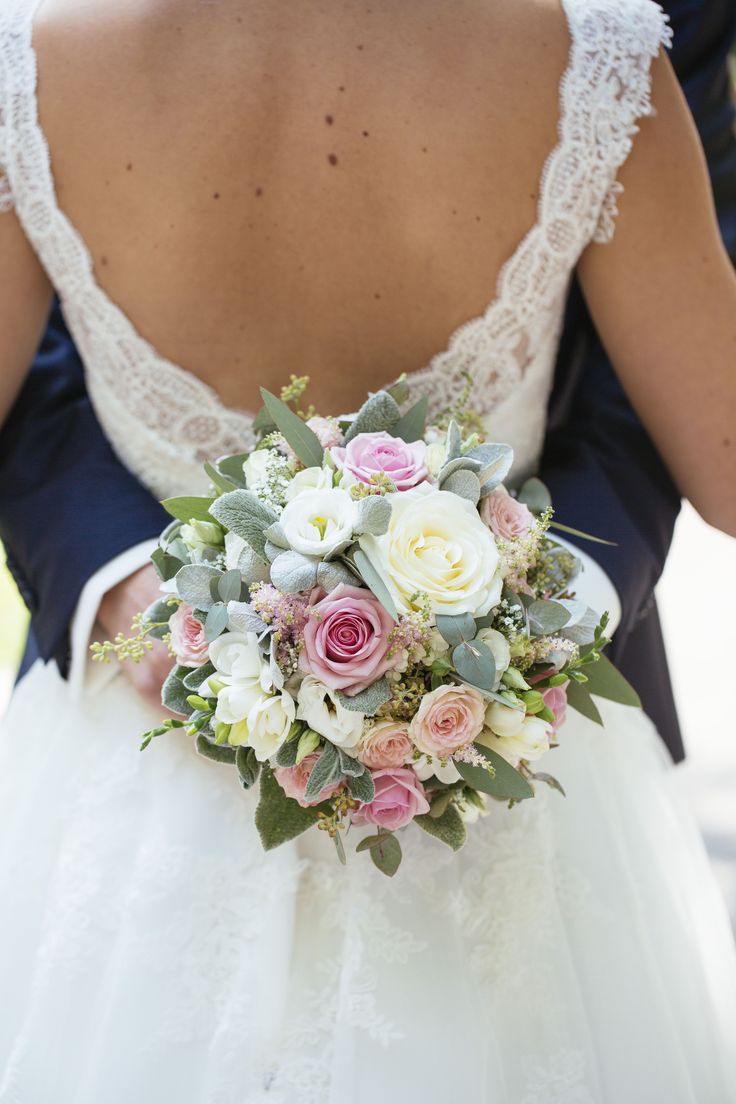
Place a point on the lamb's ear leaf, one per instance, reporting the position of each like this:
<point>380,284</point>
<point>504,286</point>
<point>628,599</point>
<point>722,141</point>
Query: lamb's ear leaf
<point>505,782</point>
<point>244,514</point>
<point>248,766</point>
<point>173,692</point>
<point>295,430</point>
<point>361,786</point>
<point>380,412</point>
<point>324,772</point>
<point>606,681</point>
<point>193,585</point>
<point>368,701</point>
<point>410,426</point>
<point>279,818</point>
<point>189,508</point>
<point>219,753</point>
<point>448,827</point>
<point>578,697</point>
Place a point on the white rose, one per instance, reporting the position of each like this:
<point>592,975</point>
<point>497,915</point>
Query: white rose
<point>500,651</point>
<point>319,707</point>
<point>436,543</point>
<point>426,766</point>
<point>256,468</point>
<point>315,523</point>
<point>530,742</point>
<point>269,722</point>
<point>309,479</point>
<point>503,720</point>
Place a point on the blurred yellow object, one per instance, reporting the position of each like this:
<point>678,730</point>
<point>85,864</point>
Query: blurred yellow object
<point>13,619</point>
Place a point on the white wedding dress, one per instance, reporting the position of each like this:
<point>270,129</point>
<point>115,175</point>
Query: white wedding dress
<point>576,951</point>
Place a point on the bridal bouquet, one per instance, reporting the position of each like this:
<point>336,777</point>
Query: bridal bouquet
<point>369,625</point>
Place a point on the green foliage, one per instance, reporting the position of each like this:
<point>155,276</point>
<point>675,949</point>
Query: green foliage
<point>374,582</point>
<point>279,818</point>
<point>296,432</point>
<point>447,827</point>
<point>244,514</point>
<point>368,701</point>
<point>411,425</point>
<point>504,782</point>
<point>188,508</point>
<point>385,851</point>
<point>378,413</point>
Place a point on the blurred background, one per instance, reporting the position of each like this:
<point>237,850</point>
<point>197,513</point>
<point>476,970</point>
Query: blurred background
<point>707,779</point>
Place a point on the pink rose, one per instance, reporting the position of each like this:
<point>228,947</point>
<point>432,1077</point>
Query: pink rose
<point>327,431</point>
<point>505,516</point>
<point>293,781</point>
<point>370,453</point>
<point>447,719</point>
<point>188,642</point>
<point>555,698</point>
<point>386,744</point>
<point>398,799</point>
<point>346,639</point>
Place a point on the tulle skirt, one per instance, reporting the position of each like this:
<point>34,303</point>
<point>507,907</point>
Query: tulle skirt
<point>576,951</point>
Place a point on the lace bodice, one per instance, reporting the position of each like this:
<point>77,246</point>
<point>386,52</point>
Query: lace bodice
<point>163,421</point>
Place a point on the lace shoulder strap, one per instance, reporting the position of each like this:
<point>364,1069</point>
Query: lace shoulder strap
<point>616,41</point>
<point>6,51</point>
<point>17,84</point>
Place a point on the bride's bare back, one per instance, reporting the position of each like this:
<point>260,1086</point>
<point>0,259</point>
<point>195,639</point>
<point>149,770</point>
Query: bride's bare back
<point>329,188</point>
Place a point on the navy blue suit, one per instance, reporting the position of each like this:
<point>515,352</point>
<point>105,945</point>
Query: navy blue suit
<point>605,474</point>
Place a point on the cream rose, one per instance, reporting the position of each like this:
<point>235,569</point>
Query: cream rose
<point>319,707</point>
<point>317,522</point>
<point>530,741</point>
<point>386,744</point>
<point>436,543</point>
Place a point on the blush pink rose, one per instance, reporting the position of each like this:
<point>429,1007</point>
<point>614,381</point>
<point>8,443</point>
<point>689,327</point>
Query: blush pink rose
<point>447,719</point>
<point>386,744</point>
<point>398,799</point>
<point>188,642</point>
<point>505,516</point>
<point>346,639</point>
<point>327,431</point>
<point>370,453</point>
<point>293,781</point>
<point>555,698</point>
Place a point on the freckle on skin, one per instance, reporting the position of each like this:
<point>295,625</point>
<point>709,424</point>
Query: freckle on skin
<point>129,167</point>
<point>376,295</point>
<point>341,88</point>
<point>359,47</point>
<point>329,120</point>
<point>365,133</point>
<point>727,442</point>
<point>216,195</point>
<point>259,191</point>
<point>332,159</point>
<point>103,262</point>
<point>424,149</point>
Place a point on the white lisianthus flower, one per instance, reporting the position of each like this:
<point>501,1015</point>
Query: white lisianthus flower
<point>500,651</point>
<point>309,479</point>
<point>317,522</point>
<point>437,544</point>
<point>256,468</point>
<point>269,722</point>
<point>530,741</point>
<point>427,765</point>
<point>320,708</point>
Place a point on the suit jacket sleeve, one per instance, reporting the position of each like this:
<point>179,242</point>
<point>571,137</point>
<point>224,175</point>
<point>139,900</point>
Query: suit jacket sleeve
<point>67,504</point>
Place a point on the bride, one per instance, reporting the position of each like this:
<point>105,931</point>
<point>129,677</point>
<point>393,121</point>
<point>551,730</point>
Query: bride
<point>225,191</point>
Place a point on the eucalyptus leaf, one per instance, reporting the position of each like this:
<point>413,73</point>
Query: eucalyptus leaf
<point>546,617</point>
<point>606,681</point>
<point>473,660</point>
<point>292,572</point>
<point>380,412</point>
<point>578,697</point>
<point>386,855</point>
<point>340,848</point>
<point>279,818</point>
<point>581,630</point>
<point>368,701</point>
<point>448,827</point>
<point>496,460</point>
<point>220,481</point>
<point>373,515</point>
<point>581,534</point>
<point>187,508</point>
<point>465,484</point>
<point>228,586</point>
<point>158,613</point>
<point>324,772</point>
<point>193,584</point>
<point>166,565</point>
<point>296,432</point>
<point>361,787</point>
<point>247,766</point>
<point>535,495</point>
<point>219,753</point>
<point>232,467</point>
<point>244,514</point>
<point>455,629</point>
<point>369,842</point>
<point>411,425</point>
<point>216,621</point>
<point>374,582</point>
<point>506,783</point>
<point>549,780</point>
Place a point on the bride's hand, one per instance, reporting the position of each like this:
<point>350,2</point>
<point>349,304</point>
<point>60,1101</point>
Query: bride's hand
<point>117,610</point>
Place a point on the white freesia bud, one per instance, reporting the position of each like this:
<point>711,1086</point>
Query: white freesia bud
<point>530,742</point>
<point>316,522</point>
<point>237,699</point>
<point>269,722</point>
<point>309,479</point>
<point>503,720</point>
<point>500,651</point>
<point>201,534</point>
<point>320,708</point>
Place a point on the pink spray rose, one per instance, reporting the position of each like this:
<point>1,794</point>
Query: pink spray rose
<point>346,639</point>
<point>188,641</point>
<point>398,799</point>
<point>505,516</point>
<point>293,781</point>
<point>555,698</point>
<point>370,453</point>
<point>386,744</point>
<point>447,719</point>
<point>327,431</point>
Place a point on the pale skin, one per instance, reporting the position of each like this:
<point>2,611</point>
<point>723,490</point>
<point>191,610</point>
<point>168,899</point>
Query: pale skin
<point>269,188</point>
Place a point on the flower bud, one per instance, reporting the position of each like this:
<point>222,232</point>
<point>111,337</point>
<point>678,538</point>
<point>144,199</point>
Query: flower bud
<point>201,534</point>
